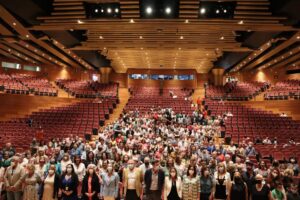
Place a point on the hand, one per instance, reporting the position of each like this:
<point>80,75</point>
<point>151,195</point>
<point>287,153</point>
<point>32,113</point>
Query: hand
<point>13,188</point>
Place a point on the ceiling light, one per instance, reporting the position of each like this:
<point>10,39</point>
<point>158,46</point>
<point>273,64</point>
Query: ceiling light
<point>79,21</point>
<point>291,52</point>
<point>168,10</point>
<point>141,37</point>
<point>100,37</point>
<point>18,54</point>
<point>26,58</point>
<point>203,10</point>
<point>298,37</point>
<point>222,38</point>
<point>225,11</point>
<point>9,49</point>
<point>148,10</point>
<point>241,22</point>
<point>181,37</point>
<point>108,10</point>
<point>116,10</point>
<point>142,48</point>
<point>27,45</point>
<point>35,50</point>
<point>131,21</point>
<point>43,54</point>
<point>255,54</point>
<point>27,36</point>
<point>179,48</point>
<point>15,24</point>
<point>186,21</point>
<point>102,10</point>
<point>217,11</point>
<point>96,10</point>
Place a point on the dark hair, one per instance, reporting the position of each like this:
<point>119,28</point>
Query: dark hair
<point>193,168</point>
<point>73,171</point>
<point>203,169</point>
<point>77,157</point>
<point>170,173</point>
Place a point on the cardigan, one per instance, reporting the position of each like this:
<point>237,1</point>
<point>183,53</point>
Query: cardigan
<point>56,187</point>
<point>95,187</point>
<point>138,181</point>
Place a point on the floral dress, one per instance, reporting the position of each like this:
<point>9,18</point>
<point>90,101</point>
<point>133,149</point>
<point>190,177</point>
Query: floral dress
<point>30,191</point>
<point>190,188</point>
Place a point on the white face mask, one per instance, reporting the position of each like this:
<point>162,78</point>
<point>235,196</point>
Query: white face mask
<point>130,166</point>
<point>51,171</point>
<point>109,169</point>
<point>91,171</point>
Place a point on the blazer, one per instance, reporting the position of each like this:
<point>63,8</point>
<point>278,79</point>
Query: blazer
<point>148,180</point>
<point>110,185</point>
<point>12,177</point>
<point>138,182</point>
<point>168,187</point>
<point>56,187</point>
<point>73,185</point>
<point>95,187</point>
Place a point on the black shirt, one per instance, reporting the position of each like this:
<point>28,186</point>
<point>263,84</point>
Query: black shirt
<point>260,195</point>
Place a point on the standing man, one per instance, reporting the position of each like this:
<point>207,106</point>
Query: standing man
<point>132,181</point>
<point>154,181</point>
<point>13,173</point>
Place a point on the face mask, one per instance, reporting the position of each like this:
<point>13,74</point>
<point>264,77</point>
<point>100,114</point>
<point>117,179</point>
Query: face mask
<point>274,174</point>
<point>91,171</point>
<point>69,170</point>
<point>221,169</point>
<point>51,171</point>
<point>147,163</point>
<point>258,181</point>
<point>130,166</point>
<point>109,169</point>
<point>237,179</point>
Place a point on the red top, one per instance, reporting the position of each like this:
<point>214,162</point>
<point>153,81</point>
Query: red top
<point>90,187</point>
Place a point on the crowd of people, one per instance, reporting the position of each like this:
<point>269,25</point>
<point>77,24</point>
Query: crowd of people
<point>157,155</point>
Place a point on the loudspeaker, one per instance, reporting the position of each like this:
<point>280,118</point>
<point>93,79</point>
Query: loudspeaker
<point>106,116</point>
<point>87,136</point>
<point>95,131</point>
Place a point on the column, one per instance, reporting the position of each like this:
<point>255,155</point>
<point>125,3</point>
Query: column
<point>218,76</point>
<point>105,71</point>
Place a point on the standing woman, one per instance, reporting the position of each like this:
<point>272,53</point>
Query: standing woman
<point>239,190</point>
<point>69,184</point>
<point>30,181</point>
<point>222,182</point>
<point>206,184</point>
<point>50,186</point>
<point>90,184</point>
<point>172,186</point>
<point>191,184</point>
<point>110,184</point>
<point>260,190</point>
<point>79,169</point>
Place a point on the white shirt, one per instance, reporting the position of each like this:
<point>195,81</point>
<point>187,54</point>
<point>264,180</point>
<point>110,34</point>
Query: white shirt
<point>79,170</point>
<point>131,180</point>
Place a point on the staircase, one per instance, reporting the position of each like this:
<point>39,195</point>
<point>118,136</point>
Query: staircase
<point>123,96</point>
<point>61,92</point>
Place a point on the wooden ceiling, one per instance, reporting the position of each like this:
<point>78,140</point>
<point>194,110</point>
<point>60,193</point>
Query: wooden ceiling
<point>19,44</point>
<point>188,42</point>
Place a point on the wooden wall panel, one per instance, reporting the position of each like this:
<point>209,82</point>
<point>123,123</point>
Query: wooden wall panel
<point>120,78</point>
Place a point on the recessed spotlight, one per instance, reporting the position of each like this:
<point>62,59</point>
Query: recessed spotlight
<point>102,10</point>
<point>298,37</point>
<point>18,54</point>
<point>131,21</point>
<point>179,48</point>
<point>116,10</point>
<point>9,50</point>
<point>96,10</point>
<point>79,21</point>
<point>255,54</point>
<point>43,54</point>
<point>26,58</point>
<point>291,52</point>
<point>225,11</point>
<point>186,21</point>
<point>168,10</point>
<point>149,10</point>
<point>217,11</point>
<point>181,37</point>
<point>108,10</point>
<point>100,37</point>
<point>141,37</point>
<point>35,50</point>
<point>222,38</point>
<point>202,10</point>
<point>241,22</point>
<point>27,36</point>
<point>14,23</point>
<point>142,48</point>
<point>27,45</point>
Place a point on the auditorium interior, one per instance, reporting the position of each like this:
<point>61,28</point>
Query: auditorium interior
<point>177,74</point>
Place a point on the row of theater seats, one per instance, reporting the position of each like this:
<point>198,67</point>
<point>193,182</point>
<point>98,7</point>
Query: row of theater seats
<point>250,123</point>
<point>88,89</point>
<point>146,98</point>
<point>284,90</point>
<point>58,122</point>
<point>26,84</point>
<point>235,91</point>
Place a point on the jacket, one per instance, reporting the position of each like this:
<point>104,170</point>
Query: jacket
<point>56,187</point>
<point>110,185</point>
<point>138,182</point>
<point>148,180</point>
<point>168,187</point>
<point>95,187</point>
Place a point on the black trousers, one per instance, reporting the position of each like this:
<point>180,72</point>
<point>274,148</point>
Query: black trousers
<point>131,195</point>
<point>204,196</point>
